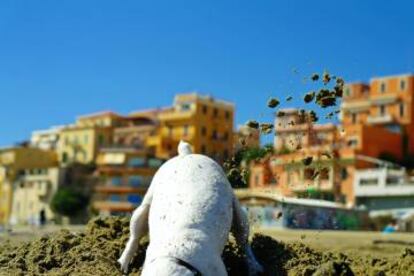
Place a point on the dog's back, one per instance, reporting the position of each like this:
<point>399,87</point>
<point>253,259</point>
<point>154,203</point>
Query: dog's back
<point>191,211</point>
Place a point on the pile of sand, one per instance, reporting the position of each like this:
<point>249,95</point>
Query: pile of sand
<point>95,253</point>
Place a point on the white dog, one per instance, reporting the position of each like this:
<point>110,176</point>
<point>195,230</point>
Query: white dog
<point>190,208</point>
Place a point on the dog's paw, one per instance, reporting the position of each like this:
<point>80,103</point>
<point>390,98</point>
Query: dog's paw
<point>124,264</point>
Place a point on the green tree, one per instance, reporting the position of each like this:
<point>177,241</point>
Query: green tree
<point>69,202</point>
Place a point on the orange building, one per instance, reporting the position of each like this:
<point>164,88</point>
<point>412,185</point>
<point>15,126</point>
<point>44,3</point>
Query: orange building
<point>298,138</point>
<point>378,117</point>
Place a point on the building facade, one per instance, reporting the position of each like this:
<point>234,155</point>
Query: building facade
<point>124,176</point>
<point>378,117</point>
<point>376,122</point>
<point>33,190</point>
<point>13,162</point>
<point>203,121</point>
<point>384,189</point>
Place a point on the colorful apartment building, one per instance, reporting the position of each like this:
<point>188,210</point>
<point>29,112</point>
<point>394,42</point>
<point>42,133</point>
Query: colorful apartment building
<point>298,139</point>
<point>124,175</point>
<point>376,121</point>
<point>13,163</point>
<point>205,122</point>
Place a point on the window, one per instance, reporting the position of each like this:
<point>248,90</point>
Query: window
<point>203,131</point>
<point>344,173</point>
<point>185,130</point>
<point>115,198</point>
<point>382,110</point>
<point>348,92</point>
<point>352,142</point>
<point>116,181</point>
<point>136,162</point>
<point>401,110</point>
<point>368,182</point>
<point>134,199</point>
<point>185,106</point>
<point>170,131</point>
<point>64,157</point>
<point>256,179</point>
<point>382,87</point>
<point>204,108</point>
<point>214,136</point>
<point>154,162</point>
<point>203,149</point>
<point>324,174</point>
<point>85,138</point>
<point>402,84</point>
<point>227,114</point>
<point>354,118</point>
<point>215,113</point>
<point>226,136</point>
<point>392,180</point>
<point>309,173</point>
<point>101,139</point>
<point>135,180</point>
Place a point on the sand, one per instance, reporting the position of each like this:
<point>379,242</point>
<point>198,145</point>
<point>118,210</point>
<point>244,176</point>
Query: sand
<point>95,251</point>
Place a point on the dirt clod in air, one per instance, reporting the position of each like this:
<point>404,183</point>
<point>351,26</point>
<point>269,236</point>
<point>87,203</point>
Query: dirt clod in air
<point>273,102</point>
<point>313,117</point>
<point>307,161</point>
<point>266,128</point>
<point>326,78</point>
<point>315,77</point>
<point>280,114</point>
<point>252,124</point>
<point>309,97</point>
<point>289,98</point>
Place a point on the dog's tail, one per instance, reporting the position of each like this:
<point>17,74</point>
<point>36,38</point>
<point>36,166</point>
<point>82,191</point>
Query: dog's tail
<point>184,148</point>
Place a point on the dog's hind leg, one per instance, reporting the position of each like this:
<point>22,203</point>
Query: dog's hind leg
<point>137,229</point>
<point>240,230</point>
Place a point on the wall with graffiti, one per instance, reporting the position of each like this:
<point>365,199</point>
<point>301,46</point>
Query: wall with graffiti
<point>307,217</point>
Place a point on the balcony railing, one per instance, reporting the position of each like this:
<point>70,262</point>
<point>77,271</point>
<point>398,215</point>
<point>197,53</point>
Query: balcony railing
<point>380,119</point>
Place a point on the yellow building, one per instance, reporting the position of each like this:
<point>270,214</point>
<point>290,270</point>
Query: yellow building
<point>80,142</point>
<point>205,122</point>
<point>13,162</point>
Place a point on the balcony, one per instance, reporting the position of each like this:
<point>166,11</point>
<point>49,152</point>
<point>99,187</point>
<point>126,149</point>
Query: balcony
<point>111,189</point>
<point>382,182</point>
<point>112,206</point>
<point>384,99</point>
<point>177,115</point>
<point>380,119</point>
<point>356,106</point>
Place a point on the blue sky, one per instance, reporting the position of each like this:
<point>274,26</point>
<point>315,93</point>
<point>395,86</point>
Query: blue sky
<point>60,59</point>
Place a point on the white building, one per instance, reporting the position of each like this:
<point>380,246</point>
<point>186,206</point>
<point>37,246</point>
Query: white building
<point>46,139</point>
<point>384,191</point>
<point>33,192</point>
